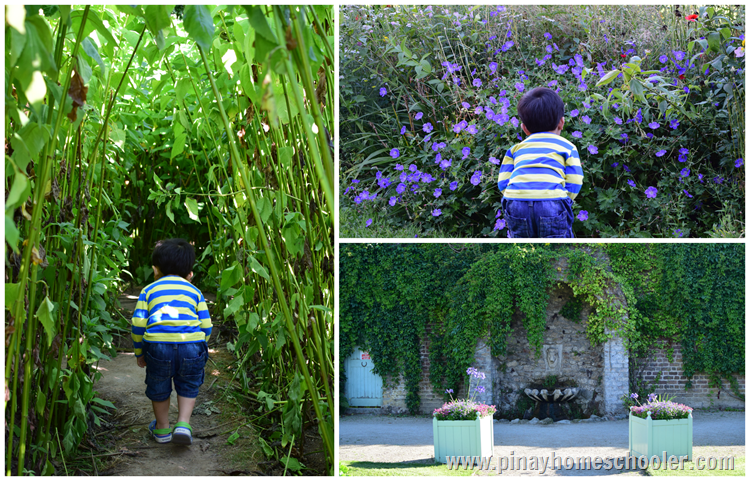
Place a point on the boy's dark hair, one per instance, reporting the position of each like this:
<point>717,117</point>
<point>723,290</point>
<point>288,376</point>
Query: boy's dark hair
<point>173,257</point>
<point>541,110</point>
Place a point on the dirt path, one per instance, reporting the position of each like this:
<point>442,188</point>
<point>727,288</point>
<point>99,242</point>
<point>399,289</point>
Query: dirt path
<point>389,439</point>
<point>131,449</point>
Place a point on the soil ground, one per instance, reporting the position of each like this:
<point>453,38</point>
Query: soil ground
<point>390,439</point>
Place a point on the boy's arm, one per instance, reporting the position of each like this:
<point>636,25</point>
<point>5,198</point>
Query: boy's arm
<point>573,174</point>
<point>140,321</point>
<point>204,317</point>
<point>506,170</point>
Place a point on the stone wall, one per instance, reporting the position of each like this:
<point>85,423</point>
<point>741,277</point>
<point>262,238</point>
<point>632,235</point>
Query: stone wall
<point>566,354</point>
<point>673,381</point>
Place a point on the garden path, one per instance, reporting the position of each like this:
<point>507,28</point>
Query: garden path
<point>130,449</point>
<point>388,439</point>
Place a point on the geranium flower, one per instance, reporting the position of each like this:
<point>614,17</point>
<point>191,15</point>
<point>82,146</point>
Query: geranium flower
<point>493,66</point>
<point>593,149</point>
<point>679,55</point>
<point>445,163</point>
<point>437,193</point>
<point>476,178</point>
<point>499,224</point>
<point>368,223</point>
<point>687,193</point>
<point>383,91</point>
<point>466,151</point>
<point>403,130</point>
<point>586,119</point>
<point>651,192</point>
<point>618,120</point>
<point>436,212</point>
<point>552,83</point>
<point>739,162</point>
<point>476,83</point>
<point>494,160</point>
<point>574,113</point>
<point>392,201</point>
<point>631,183</point>
<point>654,125</point>
<point>583,215</point>
<point>514,121</point>
<point>577,134</point>
<point>685,172</point>
<point>660,153</point>
<point>493,100</point>
<point>399,167</point>
<point>418,116</point>
<point>395,153</point>
<point>472,129</point>
<point>427,128</point>
<point>400,188</point>
<point>466,105</point>
<point>453,185</point>
<point>457,128</point>
<point>624,137</point>
<point>663,59</point>
<point>548,35</point>
<point>519,86</point>
<point>674,123</point>
<point>413,168</point>
<point>456,80</point>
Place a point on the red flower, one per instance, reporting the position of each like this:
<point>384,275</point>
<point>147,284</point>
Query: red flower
<point>681,77</point>
<point>691,18</point>
<point>623,55</point>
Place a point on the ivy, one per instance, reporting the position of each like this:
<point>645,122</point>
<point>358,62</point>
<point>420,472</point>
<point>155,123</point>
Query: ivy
<point>651,295</point>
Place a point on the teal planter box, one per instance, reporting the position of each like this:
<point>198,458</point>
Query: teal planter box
<point>463,438</point>
<point>649,437</point>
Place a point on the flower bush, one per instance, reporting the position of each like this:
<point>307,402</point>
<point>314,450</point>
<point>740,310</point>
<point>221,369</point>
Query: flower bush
<point>466,409</point>
<point>659,409</point>
<point>428,110</point>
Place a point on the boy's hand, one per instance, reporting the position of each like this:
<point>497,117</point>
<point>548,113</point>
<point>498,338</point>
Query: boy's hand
<point>141,361</point>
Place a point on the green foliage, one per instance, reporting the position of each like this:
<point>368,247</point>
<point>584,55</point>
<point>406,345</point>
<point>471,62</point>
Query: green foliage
<point>572,310</point>
<point>649,294</point>
<point>441,64</point>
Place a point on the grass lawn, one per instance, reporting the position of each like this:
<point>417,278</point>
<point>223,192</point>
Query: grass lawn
<point>690,469</point>
<point>361,468</point>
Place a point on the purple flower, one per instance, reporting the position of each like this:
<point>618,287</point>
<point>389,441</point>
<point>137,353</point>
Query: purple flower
<point>514,122</point>
<point>454,185</point>
<point>634,396</point>
<point>500,224</point>
<point>700,177</point>
<point>574,113</point>
<point>624,137</point>
<point>685,172</point>
<point>739,162</point>
<point>476,178</point>
<point>660,153</point>
<point>476,83</point>
<point>674,123</point>
<point>456,80</point>
<point>403,130</point>
<point>577,134</point>
<point>493,66</point>
<point>682,158</point>
<point>583,215</point>
<point>586,119</point>
<point>478,110</point>
<point>436,212</point>
<point>663,59</point>
<point>383,91</point>
<point>679,55</point>
<point>400,188</point>
<point>392,201</point>
<point>412,168</point>
<point>368,223</point>
<point>466,105</point>
<point>437,193</point>
<point>687,193</point>
<point>552,83</point>
<point>519,86</point>
<point>684,151</point>
<point>427,128</point>
<point>631,183</point>
<point>418,116</point>
<point>445,163</point>
<point>472,129</point>
<point>651,192</point>
<point>593,149</point>
<point>457,128</point>
<point>395,153</point>
<point>718,179</point>
<point>654,125</point>
<point>615,164</point>
<point>466,151</point>
<point>450,391</point>
<point>494,160</point>
<point>548,35</point>
<point>399,167</point>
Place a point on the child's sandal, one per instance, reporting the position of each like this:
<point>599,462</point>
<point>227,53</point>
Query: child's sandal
<point>161,436</point>
<point>183,434</point>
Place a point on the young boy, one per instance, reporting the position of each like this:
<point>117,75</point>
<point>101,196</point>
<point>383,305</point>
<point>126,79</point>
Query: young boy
<point>540,177</point>
<point>170,332</point>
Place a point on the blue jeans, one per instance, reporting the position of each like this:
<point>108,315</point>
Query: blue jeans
<point>182,363</point>
<point>539,218</point>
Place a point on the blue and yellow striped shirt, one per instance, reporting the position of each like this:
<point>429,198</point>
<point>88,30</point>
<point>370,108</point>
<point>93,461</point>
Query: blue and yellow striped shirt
<point>545,166</point>
<point>170,310</point>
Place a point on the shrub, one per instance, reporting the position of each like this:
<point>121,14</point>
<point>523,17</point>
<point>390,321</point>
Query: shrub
<point>428,110</point>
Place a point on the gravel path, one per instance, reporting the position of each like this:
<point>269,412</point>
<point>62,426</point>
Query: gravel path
<point>389,439</point>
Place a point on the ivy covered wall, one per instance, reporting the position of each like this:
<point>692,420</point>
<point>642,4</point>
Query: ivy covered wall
<point>689,294</point>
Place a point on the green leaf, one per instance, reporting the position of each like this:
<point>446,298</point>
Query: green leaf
<point>11,294</point>
<point>199,25</point>
<point>714,41</point>
<point>179,145</point>
<point>292,463</point>
<point>258,269</point>
<point>170,214</point>
<point>230,276</point>
<point>90,49</point>
<point>19,191</point>
<point>636,88</point>
<point>192,207</point>
<point>234,437</point>
<point>259,23</point>
<point>608,78</point>
<point>234,306</point>
<point>157,18</point>
<point>44,314</point>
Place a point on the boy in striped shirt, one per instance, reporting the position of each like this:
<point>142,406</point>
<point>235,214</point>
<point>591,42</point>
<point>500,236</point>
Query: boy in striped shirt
<point>540,177</point>
<point>170,332</point>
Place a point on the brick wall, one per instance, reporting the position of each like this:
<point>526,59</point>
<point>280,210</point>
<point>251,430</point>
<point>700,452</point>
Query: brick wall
<point>673,382</point>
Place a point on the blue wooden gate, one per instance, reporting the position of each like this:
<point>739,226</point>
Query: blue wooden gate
<point>364,388</point>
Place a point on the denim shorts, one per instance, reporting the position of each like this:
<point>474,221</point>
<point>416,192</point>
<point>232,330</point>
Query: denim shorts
<point>183,363</point>
<point>539,218</point>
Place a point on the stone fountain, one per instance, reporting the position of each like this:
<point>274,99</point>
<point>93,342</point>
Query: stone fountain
<point>549,400</point>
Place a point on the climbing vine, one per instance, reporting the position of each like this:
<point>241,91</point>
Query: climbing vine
<point>651,295</point>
